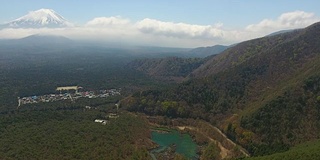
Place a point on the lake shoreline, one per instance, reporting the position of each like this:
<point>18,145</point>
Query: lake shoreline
<point>172,142</point>
<point>201,132</point>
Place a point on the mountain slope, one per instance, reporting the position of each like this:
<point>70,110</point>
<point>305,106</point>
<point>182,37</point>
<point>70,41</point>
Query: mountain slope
<point>280,32</point>
<point>263,93</point>
<point>171,68</point>
<point>241,53</point>
<point>38,19</point>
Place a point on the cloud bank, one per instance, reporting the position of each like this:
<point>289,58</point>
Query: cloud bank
<point>159,33</point>
<point>290,20</point>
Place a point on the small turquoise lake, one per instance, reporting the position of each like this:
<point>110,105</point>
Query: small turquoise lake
<point>183,142</point>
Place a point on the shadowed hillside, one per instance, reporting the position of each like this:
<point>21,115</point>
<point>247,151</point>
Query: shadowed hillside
<point>171,68</point>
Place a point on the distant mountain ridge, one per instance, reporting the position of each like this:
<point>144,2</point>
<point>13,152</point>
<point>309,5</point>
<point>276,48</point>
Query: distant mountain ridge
<point>41,39</point>
<point>47,41</point>
<point>207,51</point>
<point>176,68</point>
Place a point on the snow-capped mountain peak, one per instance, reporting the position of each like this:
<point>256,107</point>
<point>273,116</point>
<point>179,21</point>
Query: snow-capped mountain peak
<point>40,18</point>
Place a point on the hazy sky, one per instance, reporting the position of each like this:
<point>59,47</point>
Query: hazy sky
<point>180,23</point>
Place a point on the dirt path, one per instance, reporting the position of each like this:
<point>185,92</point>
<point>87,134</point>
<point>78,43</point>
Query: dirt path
<point>224,152</point>
<point>234,144</point>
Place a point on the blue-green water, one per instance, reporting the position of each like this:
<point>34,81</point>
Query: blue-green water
<point>184,144</point>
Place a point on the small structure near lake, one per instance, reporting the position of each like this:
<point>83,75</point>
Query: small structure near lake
<point>102,121</point>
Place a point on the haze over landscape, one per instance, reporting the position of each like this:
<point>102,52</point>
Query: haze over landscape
<point>171,24</point>
<point>160,80</point>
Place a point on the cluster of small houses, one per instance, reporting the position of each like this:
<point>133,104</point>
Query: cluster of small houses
<point>70,96</point>
<point>73,96</point>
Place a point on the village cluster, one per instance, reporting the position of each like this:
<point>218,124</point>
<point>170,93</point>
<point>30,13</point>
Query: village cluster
<point>76,94</point>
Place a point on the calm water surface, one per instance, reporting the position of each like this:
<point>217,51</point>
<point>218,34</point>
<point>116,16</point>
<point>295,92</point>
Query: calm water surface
<point>183,142</point>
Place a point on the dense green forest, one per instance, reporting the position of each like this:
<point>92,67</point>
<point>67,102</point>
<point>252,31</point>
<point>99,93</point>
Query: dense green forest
<point>63,129</point>
<point>71,133</point>
<point>296,115</point>
<point>66,129</point>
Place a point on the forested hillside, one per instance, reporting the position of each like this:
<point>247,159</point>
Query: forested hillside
<point>170,69</point>
<point>263,93</point>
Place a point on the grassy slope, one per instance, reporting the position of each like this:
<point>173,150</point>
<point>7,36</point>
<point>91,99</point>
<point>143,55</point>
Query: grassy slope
<point>305,151</point>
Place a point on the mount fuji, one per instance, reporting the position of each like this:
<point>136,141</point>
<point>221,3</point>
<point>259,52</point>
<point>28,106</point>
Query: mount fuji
<point>38,19</point>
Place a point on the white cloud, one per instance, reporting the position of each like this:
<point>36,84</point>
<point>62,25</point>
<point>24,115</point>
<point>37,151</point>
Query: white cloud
<point>159,33</point>
<point>108,21</point>
<point>290,20</point>
<point>180,30</point>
